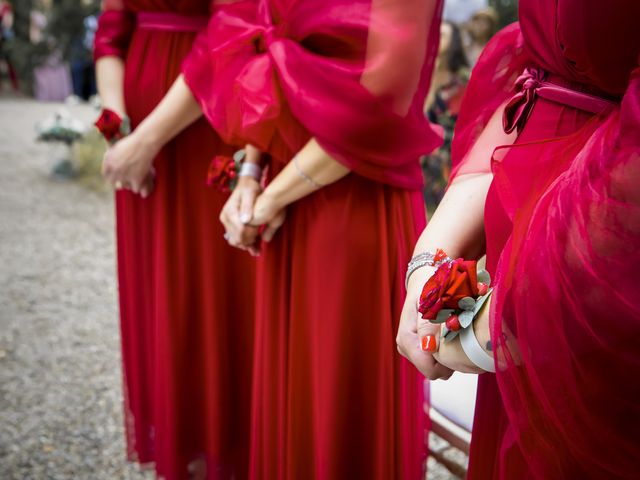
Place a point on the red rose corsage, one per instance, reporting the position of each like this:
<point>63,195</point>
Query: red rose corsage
<point>223,171</point>
<point>454,295</point>
<point>112,126</point>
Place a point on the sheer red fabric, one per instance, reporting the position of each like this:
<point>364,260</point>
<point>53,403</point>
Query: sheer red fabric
<point>349,73</point>
<point>186,297</point>
<point>561,222</point>
<point>332,399</point>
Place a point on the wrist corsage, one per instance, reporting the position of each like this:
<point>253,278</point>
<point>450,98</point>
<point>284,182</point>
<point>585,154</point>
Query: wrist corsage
<point>453,296</point>
<point>112,126</point>
<point>224,171</point>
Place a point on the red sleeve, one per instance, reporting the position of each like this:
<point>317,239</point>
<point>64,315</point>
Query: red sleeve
<point>115,27</point>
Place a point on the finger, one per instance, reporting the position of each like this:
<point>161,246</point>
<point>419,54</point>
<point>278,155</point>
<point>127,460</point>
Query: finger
<point>247,201</point>
<point>428,333</point>
<point>228,213</point>
<point>249,235</point>
<point>148,185</point>
<point>135,186</point>
<point>273,226</point>
<point>425,362</point>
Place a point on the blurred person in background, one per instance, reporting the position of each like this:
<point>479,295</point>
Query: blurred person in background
<point>460,11</point>
<point>52,78</point>
<point>450,78</point>
<point>81,59</point>
<point>6,34</point>
<point>186,297</point>
<point>479,30</point>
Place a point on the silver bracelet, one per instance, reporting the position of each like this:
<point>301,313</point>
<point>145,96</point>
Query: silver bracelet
<point>474,351</point>
<point>304,175</point>
<point>252,170</point>
<point>422,260</point>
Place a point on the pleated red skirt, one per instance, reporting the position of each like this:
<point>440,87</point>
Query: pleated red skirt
<point>186,297</point>
<point>332,397</point>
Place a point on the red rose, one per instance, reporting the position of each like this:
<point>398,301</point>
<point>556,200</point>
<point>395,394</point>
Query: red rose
<point>109,124</point>
<point>451,282</point>
<point>222,173</point>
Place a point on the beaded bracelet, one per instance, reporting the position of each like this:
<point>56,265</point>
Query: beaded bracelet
<point>425,259</point>
<point>304,175</point>
<point>252,170</point>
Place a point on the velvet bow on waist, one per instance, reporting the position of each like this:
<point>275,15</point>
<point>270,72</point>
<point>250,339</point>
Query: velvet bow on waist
<point>534,83</point>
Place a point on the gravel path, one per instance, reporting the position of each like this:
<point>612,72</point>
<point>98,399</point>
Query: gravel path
<point>60,382</point>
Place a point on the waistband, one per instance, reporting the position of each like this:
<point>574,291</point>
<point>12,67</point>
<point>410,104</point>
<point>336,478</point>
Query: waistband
<point>170,22</point>
<point>535,83</point>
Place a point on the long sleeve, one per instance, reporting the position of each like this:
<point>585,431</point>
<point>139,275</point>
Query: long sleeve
<point>115,27</point>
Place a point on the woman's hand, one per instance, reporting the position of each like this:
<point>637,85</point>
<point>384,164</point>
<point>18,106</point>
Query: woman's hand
<point>128,164</point>
<point>451,353</point>
<point>237,213</point>
<point>412,329</point>
<point>267,211</point>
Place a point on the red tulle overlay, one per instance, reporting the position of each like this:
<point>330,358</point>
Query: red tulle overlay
<point>345,72</point>
<point>562,221</point>
<point>186,297</point>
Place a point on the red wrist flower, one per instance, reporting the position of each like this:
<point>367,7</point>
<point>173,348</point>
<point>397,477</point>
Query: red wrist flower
<point>112,126</point>
<point>454,295</point>
<point>222,173</point>
<point>451,283</point>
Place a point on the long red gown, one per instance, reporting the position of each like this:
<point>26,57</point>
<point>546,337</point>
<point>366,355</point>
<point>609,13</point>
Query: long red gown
<point>332,399</point>
<point>562,221</point>
<point>186,297</point>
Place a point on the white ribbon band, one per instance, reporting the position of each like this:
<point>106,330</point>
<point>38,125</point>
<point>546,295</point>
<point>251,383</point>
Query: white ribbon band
<point>474,351</point>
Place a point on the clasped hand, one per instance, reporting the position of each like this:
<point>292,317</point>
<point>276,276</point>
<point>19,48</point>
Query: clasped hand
<point>128,164</point>
<point>251,215</point>
<point>445,357</point>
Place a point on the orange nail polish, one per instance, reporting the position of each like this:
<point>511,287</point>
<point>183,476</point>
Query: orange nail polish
<point>429,343</point>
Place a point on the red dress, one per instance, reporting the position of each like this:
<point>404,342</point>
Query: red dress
<point>186,297</point>
<point>562,236</point>
<point>332,398</point>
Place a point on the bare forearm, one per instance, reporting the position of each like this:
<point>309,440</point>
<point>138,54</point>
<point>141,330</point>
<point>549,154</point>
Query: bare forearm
<point>457,225</point>
<point>110,80</point>
<point>177,110</point>
<point>313,162</point>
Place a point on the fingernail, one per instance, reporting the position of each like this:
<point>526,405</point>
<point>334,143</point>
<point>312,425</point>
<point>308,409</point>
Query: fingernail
<point>245,218</point>
<point>428,343</point>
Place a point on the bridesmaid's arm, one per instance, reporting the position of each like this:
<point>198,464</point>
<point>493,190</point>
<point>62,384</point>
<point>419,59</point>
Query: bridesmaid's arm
<point>110,81</point>
<point>311,169</point>
<point>129,160</point>
<point>457,227</point>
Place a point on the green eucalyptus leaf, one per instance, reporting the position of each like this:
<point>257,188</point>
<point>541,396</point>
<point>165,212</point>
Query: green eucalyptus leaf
<point>481,301</point>
<point>484,277</point>
<point>238,157</point>
<point>442,316</point>
<point>467,303</point>
<point>465,319</point>
<point>450,336</point>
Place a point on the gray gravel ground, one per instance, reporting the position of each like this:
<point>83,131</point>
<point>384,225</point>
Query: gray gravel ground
<point>60,377</point>
<point>60,383</point>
